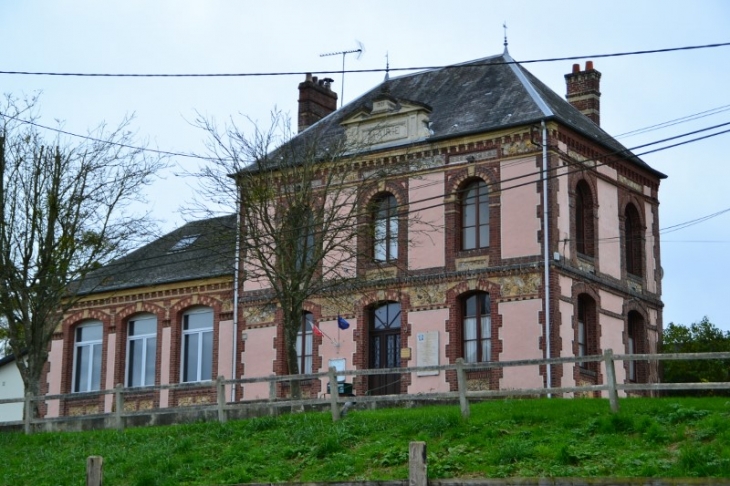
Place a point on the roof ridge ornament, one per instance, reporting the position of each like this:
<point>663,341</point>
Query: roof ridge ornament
<point>504,26</point>
<point>387,67</point>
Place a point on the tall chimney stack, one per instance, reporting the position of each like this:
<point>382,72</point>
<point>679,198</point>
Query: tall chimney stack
<point>316,100</point>
<point>583,91</point>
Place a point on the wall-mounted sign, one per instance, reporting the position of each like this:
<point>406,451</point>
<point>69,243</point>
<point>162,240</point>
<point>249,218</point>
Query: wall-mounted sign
<point>427,351</point>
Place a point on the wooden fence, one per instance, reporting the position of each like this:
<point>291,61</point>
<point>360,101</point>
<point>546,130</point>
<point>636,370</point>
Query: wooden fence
<point>418,476</point>
<point>462,395</point>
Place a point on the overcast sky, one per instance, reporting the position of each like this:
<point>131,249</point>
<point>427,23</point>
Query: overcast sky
<point>211,36</point>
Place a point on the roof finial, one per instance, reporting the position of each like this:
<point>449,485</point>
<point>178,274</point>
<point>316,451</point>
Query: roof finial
<point>387,66</point>
<point>504,26</point>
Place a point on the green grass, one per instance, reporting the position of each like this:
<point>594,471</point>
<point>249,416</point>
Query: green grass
<point>671,437</point>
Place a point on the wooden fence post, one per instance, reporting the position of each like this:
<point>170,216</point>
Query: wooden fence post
<point>334,394</point>
<point>611,379</point>
<point>221,389</point>
<point>118,407</point>
<point>28,415</point>
<point>417,464</point>
<point>461,382</point>
<point>94,470</point>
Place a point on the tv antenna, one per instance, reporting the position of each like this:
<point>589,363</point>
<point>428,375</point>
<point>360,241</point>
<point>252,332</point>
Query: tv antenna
<point>360,49</point>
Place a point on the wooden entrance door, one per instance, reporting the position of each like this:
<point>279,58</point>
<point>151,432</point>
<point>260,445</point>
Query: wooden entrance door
<point>385,347</point>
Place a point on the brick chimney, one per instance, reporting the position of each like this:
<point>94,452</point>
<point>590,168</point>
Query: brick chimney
<point>316,100</point>
<point>583,91</point>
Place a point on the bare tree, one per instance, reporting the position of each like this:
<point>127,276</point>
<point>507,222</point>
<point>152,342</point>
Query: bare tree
<point>304,219</point>
<point>65,210</point>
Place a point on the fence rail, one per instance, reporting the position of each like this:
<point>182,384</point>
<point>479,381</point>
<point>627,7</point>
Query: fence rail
<point>274,403</point>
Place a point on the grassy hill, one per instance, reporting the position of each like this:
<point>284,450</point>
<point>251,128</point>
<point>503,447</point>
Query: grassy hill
<point>669,437</point>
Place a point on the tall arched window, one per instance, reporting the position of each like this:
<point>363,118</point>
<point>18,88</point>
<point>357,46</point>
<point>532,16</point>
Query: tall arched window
<point>141,350</point>
<point>635,344</point>
<point>385,347</point>
<point>87,357</point>
<point>385,228</point>
<point>475,216</point>
<point>633,241</point>
<point>584,229</point>
<point>304,344</point>
<point>587,332</point>
<point>298,238</point>
<point>477,334</point>
<point>197,345</point>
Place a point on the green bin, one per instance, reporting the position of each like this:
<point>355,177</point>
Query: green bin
<point>342,389</point>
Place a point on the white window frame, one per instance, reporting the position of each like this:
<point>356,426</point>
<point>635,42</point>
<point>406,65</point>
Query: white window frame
<point>479,229</point>
<point>200,352</point>
<point>385,231</point>
<point>582,341</point>
<point>92,344</point>
<point>632,363</point>
<point>142,339</point>
<point>305,344</point>
<point>477,330</point>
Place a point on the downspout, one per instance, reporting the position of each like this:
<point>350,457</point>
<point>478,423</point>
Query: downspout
<point>546,251</point>
<point>237,260</point>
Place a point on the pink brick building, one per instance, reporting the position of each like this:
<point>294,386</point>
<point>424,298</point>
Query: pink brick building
<point>514,267</point>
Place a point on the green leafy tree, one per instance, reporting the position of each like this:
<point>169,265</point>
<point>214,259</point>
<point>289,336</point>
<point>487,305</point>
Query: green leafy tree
<point>66,207</point>
<point>698,337</point>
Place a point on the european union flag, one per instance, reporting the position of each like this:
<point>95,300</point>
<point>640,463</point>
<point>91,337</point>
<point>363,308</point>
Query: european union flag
<point>342,323</point>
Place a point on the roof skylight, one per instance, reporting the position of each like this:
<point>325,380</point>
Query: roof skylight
<point>184,242</point>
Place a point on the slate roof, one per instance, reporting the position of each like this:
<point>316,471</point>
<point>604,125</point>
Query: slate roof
<point>477,96</point>
<point>197,250</point>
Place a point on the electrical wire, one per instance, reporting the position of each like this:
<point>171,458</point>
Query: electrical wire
<point>378,70</point>
<point>170,153</point>
<point>676,121</point>
<point>408,211</point>
<point>99,140</point>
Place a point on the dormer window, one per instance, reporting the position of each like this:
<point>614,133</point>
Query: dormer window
<point>387,123</point>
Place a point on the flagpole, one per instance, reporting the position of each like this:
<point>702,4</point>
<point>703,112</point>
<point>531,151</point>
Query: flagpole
<point>337,346</point>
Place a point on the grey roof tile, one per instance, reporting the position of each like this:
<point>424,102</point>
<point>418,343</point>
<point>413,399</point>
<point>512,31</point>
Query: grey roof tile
<point>476,96</point>
<point>197,250</point>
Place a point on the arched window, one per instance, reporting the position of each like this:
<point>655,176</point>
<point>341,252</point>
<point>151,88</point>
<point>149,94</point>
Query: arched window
<point>584,229</point>
<point>197,345</point>
<point>477,334</point>
<point>587,334</point>
<point>633,241</point>
<point>87,357</point>
<point>298,238</point>
<point>141,350</point>
<point>475,216</point>
<point>304,344</point>
<point>385,228</point>
<point>385,347</point>
<point>635,344</point>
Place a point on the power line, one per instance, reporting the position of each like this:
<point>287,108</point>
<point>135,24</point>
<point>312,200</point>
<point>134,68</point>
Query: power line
<point>724,242</point>
<point>163,152</point>
<point>582,167</point>
<point>100,140</point>
<point>676,121</point>
<point>686,224</point>
<point>378,70</point>
<point>423,185</point>
<point>408,211</point>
